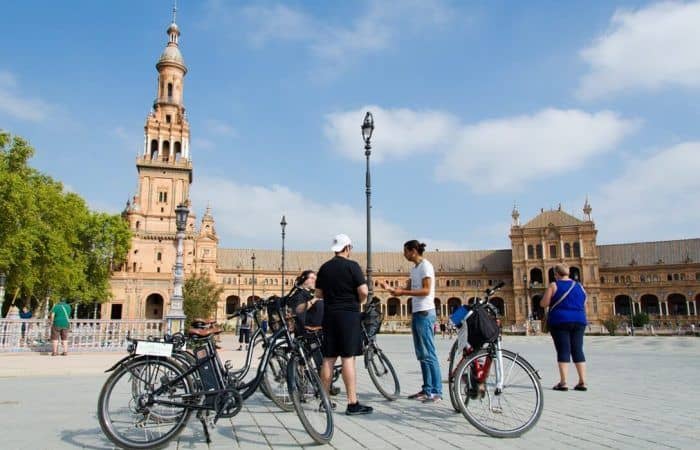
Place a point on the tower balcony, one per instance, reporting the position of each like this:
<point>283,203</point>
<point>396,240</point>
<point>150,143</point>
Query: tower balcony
<point>169,163</point>
<point>166,101</point>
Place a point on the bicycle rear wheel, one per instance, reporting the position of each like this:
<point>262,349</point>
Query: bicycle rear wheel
<point>129,413</point>
<point>382,373</point>
<point>310,400</point>
<point>453,359</point>
<point>274,382</point>
<point>507,413</point>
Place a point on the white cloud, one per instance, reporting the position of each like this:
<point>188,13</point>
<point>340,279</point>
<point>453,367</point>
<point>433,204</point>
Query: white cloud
<point>493,155</point>
<point>336,46</point>
<point>398,133</point>
<point>251,215</point>
<point>500,155</point>
<point>219,127</point>
<point>654,198</point>
<point>202,144</point>
<point>648,48</point>
<point>14,103</point>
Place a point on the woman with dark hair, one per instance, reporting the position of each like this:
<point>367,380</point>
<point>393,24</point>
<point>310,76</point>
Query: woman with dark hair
<point>308,310</point>
<point>422,320</point>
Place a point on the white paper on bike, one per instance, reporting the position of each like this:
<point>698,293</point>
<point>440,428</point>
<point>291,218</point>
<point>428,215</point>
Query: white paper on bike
<point>154,348</point>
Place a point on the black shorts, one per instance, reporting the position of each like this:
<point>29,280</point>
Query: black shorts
<point>342,335</point>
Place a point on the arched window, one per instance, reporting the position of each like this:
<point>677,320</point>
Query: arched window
<point>539,250</point>
<point>552,251</point>
<point>500,305</point>
<point>567,250</point>
<point>602,280</point>
<point>623,305</point>
<point>138,224</point>
<point>166,151</point>
<point>170,91</point>
<point>393,305</point>
<point>154,149</point>
<point>550,275</point>
<point>536,276</point>
<point>232,303</point>
<point>650,304</point>
<point>575,273</point>
<point>530,252</point>
<point>577,250</point>
<point>159,256</point>
<point>452,304</point>
<point>178,151</point>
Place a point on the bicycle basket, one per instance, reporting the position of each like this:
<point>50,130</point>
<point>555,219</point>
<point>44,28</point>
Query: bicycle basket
<point>274,314</point>
<point>372,321</point>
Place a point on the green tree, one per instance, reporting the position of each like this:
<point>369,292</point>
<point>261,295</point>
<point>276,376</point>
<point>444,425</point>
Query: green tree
<point>640,319</point>
<point>200,297</point>
<point>49,238</point>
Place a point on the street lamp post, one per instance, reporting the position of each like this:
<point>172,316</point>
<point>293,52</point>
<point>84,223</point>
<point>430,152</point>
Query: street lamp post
<point>252,258</point>
<point>283,224</point>
<point>528,306</point>
<point>176,315</point>
<point>367,129</point>
<point>3,278</point>
<point>46,308</point>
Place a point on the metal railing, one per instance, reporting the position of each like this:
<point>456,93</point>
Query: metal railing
<point>34,335</point>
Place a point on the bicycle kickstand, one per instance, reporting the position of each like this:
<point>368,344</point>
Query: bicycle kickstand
<point>205,429</point>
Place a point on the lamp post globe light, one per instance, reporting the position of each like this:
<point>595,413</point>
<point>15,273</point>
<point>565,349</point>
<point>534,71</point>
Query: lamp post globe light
<point>283,224</point>
<point>176,315</point>
<point>3,279</point>
<point>367,130</point>
<point>528,306</point>
<point>252,282</point>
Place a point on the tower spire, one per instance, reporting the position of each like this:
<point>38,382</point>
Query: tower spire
<point>174,10</point>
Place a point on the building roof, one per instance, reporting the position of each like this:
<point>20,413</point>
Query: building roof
<point>453,261</point>
<point>650,253</point>
<point>558,218</point>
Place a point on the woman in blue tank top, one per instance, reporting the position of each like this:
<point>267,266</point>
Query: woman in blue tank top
<point>566,300</point>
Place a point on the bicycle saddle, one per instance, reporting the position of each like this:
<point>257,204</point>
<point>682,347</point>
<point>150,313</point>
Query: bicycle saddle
<point>202,323</point>
<point>204,332</point>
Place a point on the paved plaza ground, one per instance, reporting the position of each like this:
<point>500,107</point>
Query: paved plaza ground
<point>642,395</point>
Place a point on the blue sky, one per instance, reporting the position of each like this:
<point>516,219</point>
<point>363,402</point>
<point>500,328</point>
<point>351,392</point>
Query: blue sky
<point>477,105</point>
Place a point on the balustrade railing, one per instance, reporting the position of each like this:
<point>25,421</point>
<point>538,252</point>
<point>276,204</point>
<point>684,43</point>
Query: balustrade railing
<point>23,335</point>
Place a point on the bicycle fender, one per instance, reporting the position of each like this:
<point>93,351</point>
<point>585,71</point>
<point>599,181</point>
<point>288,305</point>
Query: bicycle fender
<point>128,358</point>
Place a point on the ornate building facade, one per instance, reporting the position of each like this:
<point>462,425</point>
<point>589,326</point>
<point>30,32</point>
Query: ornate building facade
<point>660,278</point>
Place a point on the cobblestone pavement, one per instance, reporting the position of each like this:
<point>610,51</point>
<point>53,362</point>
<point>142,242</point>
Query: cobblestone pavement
<point>642,394</point>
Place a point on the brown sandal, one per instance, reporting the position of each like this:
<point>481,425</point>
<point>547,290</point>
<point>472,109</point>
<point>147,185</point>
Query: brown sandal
<point>560,387</point>
<point>580,387</point>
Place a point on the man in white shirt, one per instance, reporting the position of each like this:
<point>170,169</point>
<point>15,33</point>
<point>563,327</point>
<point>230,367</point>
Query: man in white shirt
<point>423,320</point>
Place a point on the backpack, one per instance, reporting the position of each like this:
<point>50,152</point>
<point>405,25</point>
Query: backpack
<point>481,326</point>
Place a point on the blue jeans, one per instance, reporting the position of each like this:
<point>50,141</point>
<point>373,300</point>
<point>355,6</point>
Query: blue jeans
<point>423,341</point>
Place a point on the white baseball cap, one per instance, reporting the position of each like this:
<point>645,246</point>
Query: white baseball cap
<point>340,241</point>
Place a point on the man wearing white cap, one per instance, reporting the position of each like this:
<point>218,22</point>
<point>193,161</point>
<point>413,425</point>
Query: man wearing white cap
<point>342,285</point>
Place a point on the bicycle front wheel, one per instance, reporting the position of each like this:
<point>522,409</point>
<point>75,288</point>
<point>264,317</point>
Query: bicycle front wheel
<point>274,381</point>
<point>310,400</point>
<point>131,416</point>
<point>382,373</point>
<point>505,413</point>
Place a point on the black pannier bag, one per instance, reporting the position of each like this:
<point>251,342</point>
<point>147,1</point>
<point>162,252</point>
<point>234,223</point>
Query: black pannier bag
<point>372,321</point>
<point>481,326</point>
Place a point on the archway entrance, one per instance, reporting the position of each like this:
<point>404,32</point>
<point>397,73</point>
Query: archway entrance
<point>232,303</point>
<point>154,307</point>
<point>438,307</point>
<point>452,304</point>
<point>623,305</point>
<point>650,304</point>
<point>677,305</point>
<point>393,305</point>
<point>500,305</point>
<point>537,310</point>
<point>536,277</point>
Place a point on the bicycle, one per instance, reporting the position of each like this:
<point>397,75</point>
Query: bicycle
<point>150,396</point>
<point>495,389</point>
<point>381,370</point>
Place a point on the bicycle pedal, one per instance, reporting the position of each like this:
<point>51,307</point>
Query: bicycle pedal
<point>228,364</point>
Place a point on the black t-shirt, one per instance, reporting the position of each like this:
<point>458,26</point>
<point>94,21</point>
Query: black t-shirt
<point>313,316</point>
<point>339,279</point>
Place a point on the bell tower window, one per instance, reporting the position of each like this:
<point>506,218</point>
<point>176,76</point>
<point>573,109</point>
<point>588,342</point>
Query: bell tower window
<point>170,91</point>
<point>168,118</point>
<point>166,151</point>
<point>162,197</point>
<point>154,149</point>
